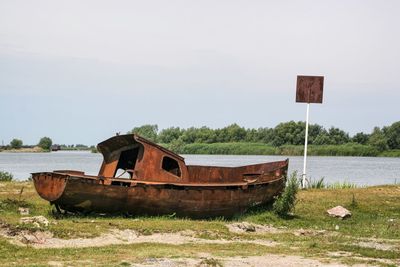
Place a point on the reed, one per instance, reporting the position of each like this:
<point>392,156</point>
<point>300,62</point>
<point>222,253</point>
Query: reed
<point>244,148</point>
<point>321,184</point>
<point>342,185</point>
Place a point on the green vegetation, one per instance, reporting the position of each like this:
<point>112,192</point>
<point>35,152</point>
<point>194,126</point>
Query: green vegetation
<point>285,139</point>
<point>147,131</point>
<point>284,204</point>
<point>6,176</point>
<point>320,184</point>
<point>309,233</point>
<point>45,143</point>
<point>349,149</point>
<point>16,143</point>
<point>77,147</point>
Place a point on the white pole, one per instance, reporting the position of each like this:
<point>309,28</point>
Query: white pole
<point>305,148</point>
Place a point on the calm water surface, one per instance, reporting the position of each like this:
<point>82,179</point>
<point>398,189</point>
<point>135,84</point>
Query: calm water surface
<point>359,170</point>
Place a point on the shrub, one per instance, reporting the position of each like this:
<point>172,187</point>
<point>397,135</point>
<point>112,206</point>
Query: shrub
<point>285,203</point>
<point>16,143</point>
<point>45,143</point>
<point>6,176</point>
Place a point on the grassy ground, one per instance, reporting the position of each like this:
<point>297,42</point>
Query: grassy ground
<point>376,217</point>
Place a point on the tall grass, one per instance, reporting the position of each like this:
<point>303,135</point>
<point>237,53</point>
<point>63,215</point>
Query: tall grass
<point>226,149</point>
<point>317,184</point>
<point>243,148</point>
<point>321,184</point>
<point>342,185</point>
<point>285,203</point>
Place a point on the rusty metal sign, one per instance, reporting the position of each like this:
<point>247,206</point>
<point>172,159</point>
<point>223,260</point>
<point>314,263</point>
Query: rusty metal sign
<point>309,89</point>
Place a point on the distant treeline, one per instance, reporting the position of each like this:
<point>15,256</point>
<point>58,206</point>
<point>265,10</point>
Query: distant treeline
<point>285,139</point>
<point>76,147</point>
<point>44,144</point>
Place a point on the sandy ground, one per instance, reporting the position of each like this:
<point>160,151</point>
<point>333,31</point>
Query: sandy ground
<point>44,239</point>
<point>41,239</point>
<point>266,260</point>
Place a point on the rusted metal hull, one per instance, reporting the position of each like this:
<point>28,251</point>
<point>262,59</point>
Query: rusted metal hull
<point>89,194</point>
<point>158,182</point>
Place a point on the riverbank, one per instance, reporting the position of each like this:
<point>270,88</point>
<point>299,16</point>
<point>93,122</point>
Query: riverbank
<point>243,148</point>
<point>35,149</point>
<point>258,238</point>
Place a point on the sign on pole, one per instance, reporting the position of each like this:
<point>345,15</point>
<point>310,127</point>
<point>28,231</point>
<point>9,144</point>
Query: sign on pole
<point>309,89</point>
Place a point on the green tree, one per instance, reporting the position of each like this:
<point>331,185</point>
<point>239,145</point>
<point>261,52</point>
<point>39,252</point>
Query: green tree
<point>284,133</point>
<point>360,138</point>
<point>392,134</point>
<point>338,136</point>
<point>148,131</point>
<point>231,133</point>
<point>206,135</point>
<point>322,139</point>
<point>314,130</point>
<point>378,140</point>
<point>168,135</point>
<point>251,135</point>
<point>198,135</point>
<point>264,135</point>
<point>45,143</point>
<point>291,133</point>
<point>16,143</point>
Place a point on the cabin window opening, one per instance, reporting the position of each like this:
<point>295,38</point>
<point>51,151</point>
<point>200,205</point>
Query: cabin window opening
<point>126,163</point>
<point>171,165</point>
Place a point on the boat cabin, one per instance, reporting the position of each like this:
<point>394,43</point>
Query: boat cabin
<point>133,157</point>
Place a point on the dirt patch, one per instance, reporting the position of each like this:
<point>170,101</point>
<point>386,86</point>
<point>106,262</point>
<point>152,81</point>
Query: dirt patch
<point>245,227</point>
<point>338,254</point>
<point>266,260</point>
<point>376,245</point>
<point>41,239</point>
<point>277,260</point>
<point>309,232</point>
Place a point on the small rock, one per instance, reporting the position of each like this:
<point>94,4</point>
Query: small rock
<point>36,220</point>
<point>35,238</point>
<point>248,227</point>
<point>301,231</point>
<point>336,227</point>
<point>23,211</point>
<point>339,211</point>
<point>307,232</point>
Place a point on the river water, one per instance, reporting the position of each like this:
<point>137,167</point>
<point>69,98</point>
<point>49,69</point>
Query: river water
<point>358,170</point>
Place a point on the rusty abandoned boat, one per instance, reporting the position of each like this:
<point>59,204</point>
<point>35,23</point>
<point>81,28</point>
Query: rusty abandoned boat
<point>140,177</point>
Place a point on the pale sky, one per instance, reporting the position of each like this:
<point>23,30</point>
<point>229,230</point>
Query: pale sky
<point>79,71</point>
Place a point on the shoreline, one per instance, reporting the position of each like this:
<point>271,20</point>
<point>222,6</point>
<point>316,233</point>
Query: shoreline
<point>35,149</point>
<point>239,149</point>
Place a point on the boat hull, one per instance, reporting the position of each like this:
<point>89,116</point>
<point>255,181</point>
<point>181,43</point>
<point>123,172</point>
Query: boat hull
<point>82,194</point>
